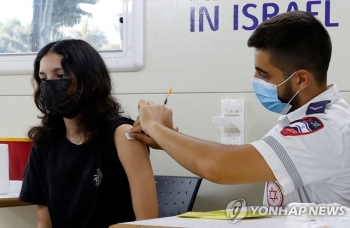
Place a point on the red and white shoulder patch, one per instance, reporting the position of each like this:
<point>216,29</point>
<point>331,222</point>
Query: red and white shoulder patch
<point>306,125</point>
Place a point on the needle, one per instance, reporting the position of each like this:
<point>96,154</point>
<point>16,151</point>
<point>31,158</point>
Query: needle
<point>166,99</point>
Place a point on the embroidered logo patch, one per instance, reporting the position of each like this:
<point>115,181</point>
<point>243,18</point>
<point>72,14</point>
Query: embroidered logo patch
<point>303,126</point>
<point>274,196</point>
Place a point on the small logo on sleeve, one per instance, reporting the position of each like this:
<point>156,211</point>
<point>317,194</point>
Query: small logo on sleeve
<point>303,126</point>
<point>274,196</point>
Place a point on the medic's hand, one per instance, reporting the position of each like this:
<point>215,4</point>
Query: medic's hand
<point>149,114</point>
<point>145,138</point>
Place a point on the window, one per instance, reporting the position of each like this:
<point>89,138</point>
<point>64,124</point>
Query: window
<point>113,27</point>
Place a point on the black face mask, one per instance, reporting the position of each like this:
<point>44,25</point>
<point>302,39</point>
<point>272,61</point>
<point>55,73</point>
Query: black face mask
<point>56,100</point>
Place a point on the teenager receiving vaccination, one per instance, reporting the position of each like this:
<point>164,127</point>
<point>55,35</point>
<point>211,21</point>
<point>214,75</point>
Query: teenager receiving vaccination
<point>82,170</point>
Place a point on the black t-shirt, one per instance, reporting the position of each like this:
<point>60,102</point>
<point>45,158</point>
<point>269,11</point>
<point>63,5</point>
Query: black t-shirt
<point>82,185</point>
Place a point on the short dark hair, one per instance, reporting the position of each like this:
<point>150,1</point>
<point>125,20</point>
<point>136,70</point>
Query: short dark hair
<point>90,81</point>
<point>295,40</point>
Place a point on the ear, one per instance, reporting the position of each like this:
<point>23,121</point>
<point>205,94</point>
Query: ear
<point>302,79</point>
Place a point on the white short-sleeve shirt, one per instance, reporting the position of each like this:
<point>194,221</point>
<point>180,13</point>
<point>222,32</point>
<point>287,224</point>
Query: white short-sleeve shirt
<point>309,153</point>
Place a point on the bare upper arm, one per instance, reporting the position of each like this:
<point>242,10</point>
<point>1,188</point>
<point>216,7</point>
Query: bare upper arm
<point>44,220</point>
<point>136,162</point>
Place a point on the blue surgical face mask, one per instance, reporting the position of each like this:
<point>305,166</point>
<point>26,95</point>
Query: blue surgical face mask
<point>268,96</point>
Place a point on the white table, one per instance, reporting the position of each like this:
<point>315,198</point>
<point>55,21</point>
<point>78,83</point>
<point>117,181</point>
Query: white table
<point>267,222</point>
<point>9,195</point>
<point>11,199</point>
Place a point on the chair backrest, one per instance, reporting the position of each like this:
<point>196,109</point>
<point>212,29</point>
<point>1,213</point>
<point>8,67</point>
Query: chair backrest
<point>176,194</point>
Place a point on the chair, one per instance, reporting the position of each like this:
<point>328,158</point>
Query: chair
<point>176,194</point>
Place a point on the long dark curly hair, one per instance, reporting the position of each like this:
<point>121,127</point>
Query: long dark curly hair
<point>91,82</point>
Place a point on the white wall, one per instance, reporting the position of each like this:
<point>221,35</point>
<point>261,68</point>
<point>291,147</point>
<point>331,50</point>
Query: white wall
<point>205,66</point>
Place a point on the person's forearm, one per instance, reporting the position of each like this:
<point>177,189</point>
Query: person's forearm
<point>193,154</point>
<point>219,163</point>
